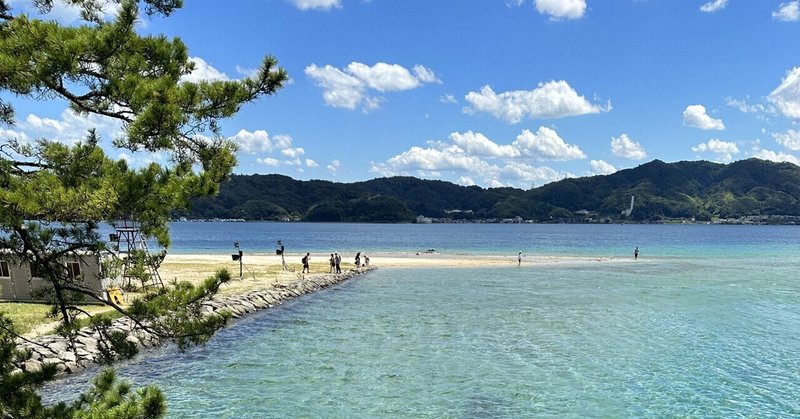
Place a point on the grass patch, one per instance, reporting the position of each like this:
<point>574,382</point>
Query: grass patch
<point>26,316</point>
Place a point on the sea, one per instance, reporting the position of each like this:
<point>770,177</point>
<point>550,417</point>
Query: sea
<point>706,323</point>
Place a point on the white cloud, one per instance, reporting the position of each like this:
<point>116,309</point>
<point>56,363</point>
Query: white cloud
<point>545,144</point>
<point>744,107</point>
<point>561,9</point>
<point>268,161</point>
<point>786,97</point>
<point>316,4</point>
<point>334,166</point>
<point>425,75</point>
<point>469,156</point>
<point>788,12</point>
<point>528,176</point>
<point>383,77</point>
<point>68,14</point>
<point>448,98</point>
<point>477,144</point>
<point>348,88</point>
<point>260,141</point>
<point>624,146</point>
<point>695,116</point>
<point>70,128</point>
<point>452,158</point>
<point>554,99</point>
<point>600,167</point>
<point>465,181</point>
<point>9,134</point>
<point>789,139</point>
<point>311,163</point>
<point>246,72</point>
<point>714,6</point>
<point>293,153</point>
<point>203,71</point>
<point>776,156</point>
<point>723,149</point>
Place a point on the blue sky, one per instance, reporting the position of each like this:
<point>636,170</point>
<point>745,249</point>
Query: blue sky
<point>493,92</point>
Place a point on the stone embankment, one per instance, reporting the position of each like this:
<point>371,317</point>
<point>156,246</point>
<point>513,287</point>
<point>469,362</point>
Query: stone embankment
<point>71,357</point>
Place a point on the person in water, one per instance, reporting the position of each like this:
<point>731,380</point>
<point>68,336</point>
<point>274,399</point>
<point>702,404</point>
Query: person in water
<point>636,253</point>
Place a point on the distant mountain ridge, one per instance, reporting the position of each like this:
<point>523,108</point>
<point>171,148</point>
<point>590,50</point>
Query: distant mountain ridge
<point>688,189</point>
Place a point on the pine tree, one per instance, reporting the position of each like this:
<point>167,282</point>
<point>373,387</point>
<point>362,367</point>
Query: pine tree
<point>54,196</point>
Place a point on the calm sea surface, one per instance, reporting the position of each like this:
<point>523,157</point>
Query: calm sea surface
<point>705,324</point>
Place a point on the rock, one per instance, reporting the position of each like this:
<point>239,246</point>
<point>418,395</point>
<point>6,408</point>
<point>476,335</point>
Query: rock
<point>32,365</point>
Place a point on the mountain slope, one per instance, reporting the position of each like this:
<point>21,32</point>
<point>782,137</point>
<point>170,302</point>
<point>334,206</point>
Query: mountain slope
<point>687,189</point>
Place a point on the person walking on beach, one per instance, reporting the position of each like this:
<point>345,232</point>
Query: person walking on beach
<point>338,261</point>
<point>636,253</point>
<point>358,260</point>
<point>519,259</point>
<point>305,263</point>
<point>333,263</point>
<point>366,260</point>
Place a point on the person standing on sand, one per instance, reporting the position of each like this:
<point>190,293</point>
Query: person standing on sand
<point>333,263</point>
<point>358,260</point>
<point>636,253</point>
<point>305,263</point>
<point>519,259</point>
<point>338,261</point>
<point>366,260</point>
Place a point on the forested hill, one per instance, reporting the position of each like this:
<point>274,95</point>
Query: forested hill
<point>688,189</point>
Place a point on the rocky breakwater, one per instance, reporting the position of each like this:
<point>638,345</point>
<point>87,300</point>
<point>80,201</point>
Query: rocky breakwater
<point>71,356</point>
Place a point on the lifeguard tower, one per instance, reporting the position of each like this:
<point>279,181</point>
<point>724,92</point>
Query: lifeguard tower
<point>131,245</point>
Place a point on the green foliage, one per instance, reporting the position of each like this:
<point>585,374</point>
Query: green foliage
<point>53,196</point>
<point>109,398</point>
<point>700,190</point>
<point>18,397</point>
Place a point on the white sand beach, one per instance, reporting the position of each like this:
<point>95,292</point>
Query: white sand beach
<point>267,268</point>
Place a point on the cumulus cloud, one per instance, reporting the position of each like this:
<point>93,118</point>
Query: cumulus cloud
<point>70,128</point>
<point>334,166</point>
<point>203,71</point>
<point>260,141</point>
<point>695,116</point>
<point>789,139</point>
<point>525,174</point>
<point>776,156</point>
<point>316,4</point>
<point>600,167</point>
<point>788,12</point>
<point>714,6</point>
<point>293,152</point>
<point>554,99</point>
<point>786,97</point>
<point>269,161</point>
<point>465,181</point>
<point>723,149</point>
<point>349,87</point>
<point>470,155</point>
<point>561,9</point>
<point>623,146</point>
<point>545,144</point>
<point>477,144</point>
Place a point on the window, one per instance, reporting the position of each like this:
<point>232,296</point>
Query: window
<point>74,270</point>
<point>5,272</point>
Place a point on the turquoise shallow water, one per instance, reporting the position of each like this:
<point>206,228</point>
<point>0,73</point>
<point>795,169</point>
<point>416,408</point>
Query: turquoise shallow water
<point>710,331</point>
